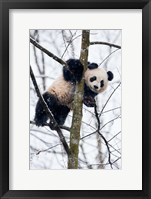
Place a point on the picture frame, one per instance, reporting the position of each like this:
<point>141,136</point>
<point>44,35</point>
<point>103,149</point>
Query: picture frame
<point>4,100</point>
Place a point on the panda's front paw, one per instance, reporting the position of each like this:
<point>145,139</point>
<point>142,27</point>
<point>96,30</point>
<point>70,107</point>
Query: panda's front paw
<point>89,101</point>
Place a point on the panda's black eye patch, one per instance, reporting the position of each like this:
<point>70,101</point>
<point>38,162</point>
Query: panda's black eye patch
<point>92,78</point>
<point>102,83</point>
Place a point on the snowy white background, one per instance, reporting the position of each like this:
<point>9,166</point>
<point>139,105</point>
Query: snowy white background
<point>93,151</point>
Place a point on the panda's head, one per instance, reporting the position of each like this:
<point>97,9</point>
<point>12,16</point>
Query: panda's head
<point>97,78</point>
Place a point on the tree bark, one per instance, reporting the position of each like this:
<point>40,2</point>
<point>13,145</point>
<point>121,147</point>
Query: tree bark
<point>77,106</point>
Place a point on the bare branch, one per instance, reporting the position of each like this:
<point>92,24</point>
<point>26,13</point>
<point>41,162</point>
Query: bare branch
<point>104,139</point>
<point>109,99</point>
<point>47,149</point>
<point>105,43</point>
<point>48,52</point>
<point>100,128</point>
<point>114,136</point>
<point>108,57</point>
<point>111,109</point>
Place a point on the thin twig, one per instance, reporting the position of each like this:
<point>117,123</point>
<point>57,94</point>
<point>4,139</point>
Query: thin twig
<point>109,99</point>
<point>108,56</point>
<point>111,109</point>
<point>104,139</point>
<point>114,136</point>
<point>82,138</point>
<point>105,43</point>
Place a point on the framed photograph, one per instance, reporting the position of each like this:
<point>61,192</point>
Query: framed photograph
<point>102,83</point>
<point>73,124</point>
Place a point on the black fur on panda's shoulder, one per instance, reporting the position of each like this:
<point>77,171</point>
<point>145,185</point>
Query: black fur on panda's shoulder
<point>74,72</point>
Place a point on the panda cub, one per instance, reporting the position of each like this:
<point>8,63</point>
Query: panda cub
<point>96,81</point>
<point>59,96</point>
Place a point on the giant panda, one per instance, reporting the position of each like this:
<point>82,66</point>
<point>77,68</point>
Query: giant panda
<point>59,96</point>
<point>96,81</point>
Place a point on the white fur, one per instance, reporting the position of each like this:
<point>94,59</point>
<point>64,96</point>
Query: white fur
<point>63,91</point>
<point>101,74</point>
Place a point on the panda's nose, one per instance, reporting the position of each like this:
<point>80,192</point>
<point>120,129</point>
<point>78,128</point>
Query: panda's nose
<point>96,87</point>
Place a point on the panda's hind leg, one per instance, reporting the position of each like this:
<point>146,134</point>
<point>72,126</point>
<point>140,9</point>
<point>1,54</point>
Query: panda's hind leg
<point>60,114</point>
<point>40,114</point>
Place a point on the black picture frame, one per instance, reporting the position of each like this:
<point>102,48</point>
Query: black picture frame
<point>5,5</point>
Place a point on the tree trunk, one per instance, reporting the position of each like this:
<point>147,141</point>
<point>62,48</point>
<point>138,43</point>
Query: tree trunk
<point>77,106</point>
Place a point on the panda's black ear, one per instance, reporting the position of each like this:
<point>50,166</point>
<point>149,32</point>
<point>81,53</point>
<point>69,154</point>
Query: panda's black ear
<point>92,66</point>
<point>110,75</point>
